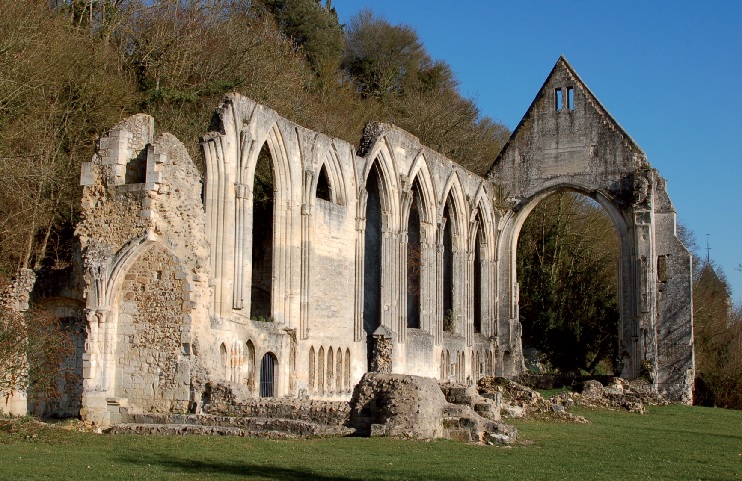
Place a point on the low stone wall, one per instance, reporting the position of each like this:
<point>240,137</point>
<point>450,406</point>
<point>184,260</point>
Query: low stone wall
<point>223,401</point>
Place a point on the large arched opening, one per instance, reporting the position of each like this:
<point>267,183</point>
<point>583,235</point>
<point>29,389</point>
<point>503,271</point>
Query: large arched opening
<point>568,258</point>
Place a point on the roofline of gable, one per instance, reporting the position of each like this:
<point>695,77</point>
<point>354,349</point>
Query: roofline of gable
<point>601,108</point>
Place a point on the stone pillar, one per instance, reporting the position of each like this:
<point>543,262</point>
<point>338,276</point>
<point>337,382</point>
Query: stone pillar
<point>381,359</point>
<point>94,370</point>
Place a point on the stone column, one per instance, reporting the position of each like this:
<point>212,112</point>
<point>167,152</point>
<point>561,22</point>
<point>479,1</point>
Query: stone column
<point>243,196</point>
<point>359,267</point>
<point>305,311</point>
<point>438,316</point>
<point>402,275</point>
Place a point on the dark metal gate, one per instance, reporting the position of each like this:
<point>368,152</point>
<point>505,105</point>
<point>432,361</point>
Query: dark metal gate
<point>267,375</point>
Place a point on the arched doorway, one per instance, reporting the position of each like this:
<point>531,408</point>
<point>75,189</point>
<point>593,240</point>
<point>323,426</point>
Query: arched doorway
<point>268,375</point>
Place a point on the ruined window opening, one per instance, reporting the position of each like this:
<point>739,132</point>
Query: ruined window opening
<point>414,259</point>
<point>448,312</point>
<point>136,169</point>
<point>506,364</point>
<point>372,258</point>
<point>662,268</point>
<point>558,99</point>
<point>324,191</point>
<point>443,366</point>
<point>312,360</point>
<point>267,375</point>
<point>223,353</point>
<point>262,241</point>
<point>570,98</point>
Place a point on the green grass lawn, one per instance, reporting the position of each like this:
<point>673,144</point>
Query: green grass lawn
<point>673,442</point>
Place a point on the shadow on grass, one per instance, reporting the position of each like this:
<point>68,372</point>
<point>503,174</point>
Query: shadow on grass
<point>231,468</point>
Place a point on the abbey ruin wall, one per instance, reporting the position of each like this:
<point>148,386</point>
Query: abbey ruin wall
<point>299,262</point>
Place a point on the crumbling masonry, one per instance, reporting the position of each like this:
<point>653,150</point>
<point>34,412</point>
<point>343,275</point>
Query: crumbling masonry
<point>388,256</point>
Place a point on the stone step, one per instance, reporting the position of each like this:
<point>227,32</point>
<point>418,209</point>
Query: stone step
<point>462,435</point>
<point>224,424</point>
<point>192,429</point>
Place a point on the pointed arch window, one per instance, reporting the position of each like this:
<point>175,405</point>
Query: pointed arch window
<point>478,270</point>
<point>448,312</point>
<point>324,188</point>
<point>414,258</point>
<point>262,241</point>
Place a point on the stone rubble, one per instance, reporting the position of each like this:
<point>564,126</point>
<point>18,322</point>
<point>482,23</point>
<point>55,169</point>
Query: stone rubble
<point>519,401</point>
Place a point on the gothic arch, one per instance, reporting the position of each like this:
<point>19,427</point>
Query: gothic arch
<point>453,306</point>
<point>483,274</point>
<point>418,248</point>
<point>284,189</point>
<point>508,254</point>
<point>453,190</point>
<point>482,206</point>
<point>335,177</point>
<point>381,157</point>
<point>240,129</point>
<point>377,253</point>
<point>421,172</point>
<point>107,284</point>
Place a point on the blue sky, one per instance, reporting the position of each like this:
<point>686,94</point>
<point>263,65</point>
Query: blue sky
<point>669,72</point>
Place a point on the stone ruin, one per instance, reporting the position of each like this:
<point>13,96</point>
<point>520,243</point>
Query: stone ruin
<point>391,405</point>
<point>296,285</point>
<point>417,407</point>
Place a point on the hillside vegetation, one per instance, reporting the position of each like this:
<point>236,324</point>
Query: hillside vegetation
<point>70,69</point>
